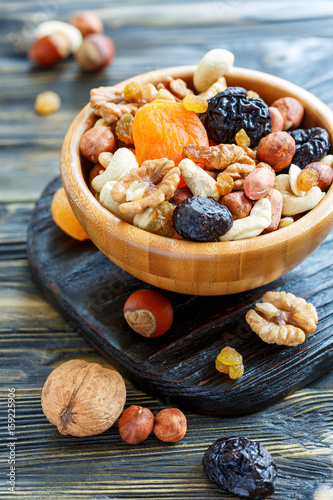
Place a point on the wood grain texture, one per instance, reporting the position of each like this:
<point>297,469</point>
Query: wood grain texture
<point>189,267</point>
<point>179,367</point>
<point>292,40</point>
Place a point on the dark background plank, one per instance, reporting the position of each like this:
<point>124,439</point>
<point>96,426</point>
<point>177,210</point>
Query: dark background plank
<point>289,39</point>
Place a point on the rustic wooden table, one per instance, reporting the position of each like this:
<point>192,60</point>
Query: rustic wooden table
<point>293,40</point>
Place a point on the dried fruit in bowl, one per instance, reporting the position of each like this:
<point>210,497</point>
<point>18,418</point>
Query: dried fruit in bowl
<point>162,129</point>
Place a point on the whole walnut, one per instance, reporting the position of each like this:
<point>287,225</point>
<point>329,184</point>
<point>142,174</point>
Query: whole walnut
<point>83,399</point>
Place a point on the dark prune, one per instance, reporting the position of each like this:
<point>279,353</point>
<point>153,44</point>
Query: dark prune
<point>201,219</point>
<point>230,110</point>
<point>241,467</point>
<point>311,145</point>
<point>235,91</point>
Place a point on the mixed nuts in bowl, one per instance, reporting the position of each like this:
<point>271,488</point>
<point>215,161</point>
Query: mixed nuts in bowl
<point>211,199</point>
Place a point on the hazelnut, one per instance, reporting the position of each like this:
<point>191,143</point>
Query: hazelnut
<point>94,172</point>
<point>170,425</point>
<point>95,141</point>
<point>96,52</point>
<point>238,204</point>
<point>87,22</point>
<point>148,313</point>
<point>72,34</point>
<point>325,174</point>
<point>277,119</point>
<point>180,195</point>
<point>135,424</point>
<point>291,110</point>
<point>50,49</point>
<point>277,149</point>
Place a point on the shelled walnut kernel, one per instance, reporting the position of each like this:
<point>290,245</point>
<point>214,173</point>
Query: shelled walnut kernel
<point>284,319</point>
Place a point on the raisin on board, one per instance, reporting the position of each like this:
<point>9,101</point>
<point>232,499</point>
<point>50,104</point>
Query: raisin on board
<point>311,145</point>
<point>231,110</point>
<point>241,467</point>
<point>201,219</point>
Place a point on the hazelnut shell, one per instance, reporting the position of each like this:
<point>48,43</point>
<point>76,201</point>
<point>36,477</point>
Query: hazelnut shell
<point>88,23</point>
<point>277,149</point>
<point>170,425</point>
<point>95,52</point>
<point>95,141</point>
<point>135,424</point>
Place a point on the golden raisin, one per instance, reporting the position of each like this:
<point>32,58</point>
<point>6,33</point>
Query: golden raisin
<point>230,357</point>
<point>198,154</point>
<point>242,139</point>
<point>195,103</point>
<point>231,362</point>
<point>307,179</point>
<point>163,223</point>
<point>225,183</point>
<point>236,371</point>
<point>124,128</point>
<point>133,92</point>
<point>47,102</point>
<point>251,94</point>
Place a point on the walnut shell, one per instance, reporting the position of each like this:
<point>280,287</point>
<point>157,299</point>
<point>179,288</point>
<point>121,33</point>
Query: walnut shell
<point>83,399</point>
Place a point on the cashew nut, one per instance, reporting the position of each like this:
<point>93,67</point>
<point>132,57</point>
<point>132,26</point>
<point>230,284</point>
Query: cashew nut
<point>292,204</point>
<point>197,179</point>
<point>259,218</point>
<point>328,159</point>
<point>215,63</point>
<point>120,164</point>
<point>218,86</point>
<point>110,204</point>
<point>294,172</point>
<point>286,221</point>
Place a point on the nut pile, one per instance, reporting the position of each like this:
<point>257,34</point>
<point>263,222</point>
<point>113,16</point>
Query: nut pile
<point>220,165</point>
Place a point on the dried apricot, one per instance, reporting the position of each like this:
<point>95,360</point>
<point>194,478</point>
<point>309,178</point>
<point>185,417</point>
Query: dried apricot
<point>162,129</point>
<point>64,217</point>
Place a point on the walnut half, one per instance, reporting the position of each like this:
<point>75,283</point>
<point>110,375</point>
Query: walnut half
<point>148,186</point>
<point>284,319</point>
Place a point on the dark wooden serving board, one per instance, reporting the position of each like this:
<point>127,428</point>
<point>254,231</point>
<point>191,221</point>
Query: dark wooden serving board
<point>179,367</point>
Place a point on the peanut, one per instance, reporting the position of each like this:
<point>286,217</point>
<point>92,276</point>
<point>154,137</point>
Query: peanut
<point>276,199</point>
<point>259,183</point>
<point>277,119</point>
<point>291,110</point>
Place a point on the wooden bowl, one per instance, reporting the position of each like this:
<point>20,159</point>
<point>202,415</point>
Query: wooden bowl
<point>190,267</point>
